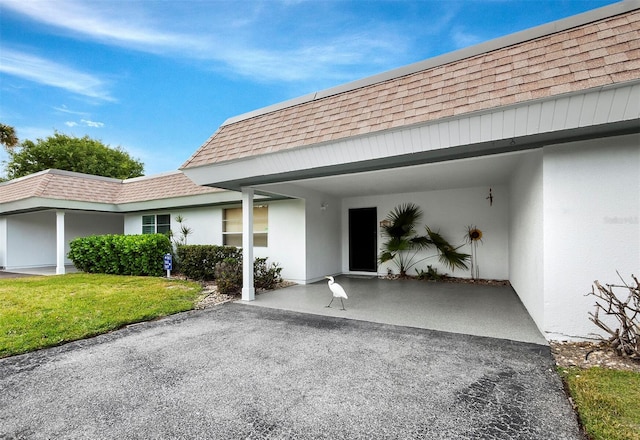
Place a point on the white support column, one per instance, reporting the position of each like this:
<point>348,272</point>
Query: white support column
<point>60,243</point>
<point>248,288</point>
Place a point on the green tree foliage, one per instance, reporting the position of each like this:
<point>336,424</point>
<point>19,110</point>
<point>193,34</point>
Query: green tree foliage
<point>8,136</point>
<point>63,152</point>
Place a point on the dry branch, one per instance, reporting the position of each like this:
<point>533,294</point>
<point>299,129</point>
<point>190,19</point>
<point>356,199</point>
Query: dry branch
<point>624,340</point>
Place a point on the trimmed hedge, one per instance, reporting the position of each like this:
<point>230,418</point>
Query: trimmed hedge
<point>121,254</point>
<point>198,262</point>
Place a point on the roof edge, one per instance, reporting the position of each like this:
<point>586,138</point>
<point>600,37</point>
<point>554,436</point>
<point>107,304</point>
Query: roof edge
<point>450,57</point>
<point>61,173</point>
<point>152,176</point>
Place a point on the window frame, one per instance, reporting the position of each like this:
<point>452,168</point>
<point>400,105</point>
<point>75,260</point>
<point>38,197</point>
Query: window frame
<point>161,224</point>
<point>260,226</point>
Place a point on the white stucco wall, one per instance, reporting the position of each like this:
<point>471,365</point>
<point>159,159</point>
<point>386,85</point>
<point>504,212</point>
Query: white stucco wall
<point>286,239</point>
<point>31,237</point>
<point>3,242</point>
<point>31,240</point>
<point>526,234</point>
<point>286,232</point>
<point>205,223</point>
<point>448,212</point>
<point>82,224</point>
<point>591,226</point>
<point>323,237</point>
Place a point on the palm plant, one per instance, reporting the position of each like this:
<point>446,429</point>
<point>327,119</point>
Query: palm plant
<point>403,244</point>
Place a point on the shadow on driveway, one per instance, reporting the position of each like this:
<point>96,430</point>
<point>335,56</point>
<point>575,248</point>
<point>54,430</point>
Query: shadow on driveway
<point>237,371</point>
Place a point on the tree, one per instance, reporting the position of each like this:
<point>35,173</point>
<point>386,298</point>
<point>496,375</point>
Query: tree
<point>8,136</point>
<point>63,152</point>
<point>403,244</point>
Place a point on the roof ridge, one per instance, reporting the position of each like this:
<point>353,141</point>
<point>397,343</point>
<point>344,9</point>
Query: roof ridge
<point>43,184</point>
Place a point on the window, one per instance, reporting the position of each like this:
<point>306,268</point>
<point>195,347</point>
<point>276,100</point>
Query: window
<point>232,226</point>
<point>152,224</point>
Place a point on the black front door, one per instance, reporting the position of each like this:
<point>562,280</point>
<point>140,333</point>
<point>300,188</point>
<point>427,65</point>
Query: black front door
<point>363,240</point>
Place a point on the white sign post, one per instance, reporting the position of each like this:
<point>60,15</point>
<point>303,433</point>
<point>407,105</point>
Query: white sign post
<point>168,264</point>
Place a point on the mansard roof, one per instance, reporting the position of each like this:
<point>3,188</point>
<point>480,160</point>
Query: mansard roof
<point>585,52</point>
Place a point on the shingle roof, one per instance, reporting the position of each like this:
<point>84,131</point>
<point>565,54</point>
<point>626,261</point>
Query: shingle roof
<point>164,186</point>
<point>587,56</point>
<point>64,185</point>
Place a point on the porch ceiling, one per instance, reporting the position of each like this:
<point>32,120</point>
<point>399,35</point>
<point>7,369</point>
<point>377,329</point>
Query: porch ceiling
<point>463,173</point>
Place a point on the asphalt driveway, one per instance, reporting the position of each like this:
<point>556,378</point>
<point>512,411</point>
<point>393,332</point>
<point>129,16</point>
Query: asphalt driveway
<point>237,371</point>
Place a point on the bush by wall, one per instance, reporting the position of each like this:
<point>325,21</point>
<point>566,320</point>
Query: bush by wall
<point>224,265</point>
<point>120,254</point>
<point>198,262</point>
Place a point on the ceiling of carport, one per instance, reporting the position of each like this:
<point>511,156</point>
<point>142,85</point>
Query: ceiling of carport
<point>464,173</point>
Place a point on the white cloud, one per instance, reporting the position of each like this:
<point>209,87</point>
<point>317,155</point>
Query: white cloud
<point>235,37</point>
<point>64,109</point>
<point>84,123</point>
<point>52,74</point>
<point>94,124</point>
<point>105,21</point>
<point>463,39</point>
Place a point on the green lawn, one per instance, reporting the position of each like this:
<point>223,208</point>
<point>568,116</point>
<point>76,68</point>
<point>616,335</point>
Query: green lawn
<point>608,401</point>
<point>38,312</point>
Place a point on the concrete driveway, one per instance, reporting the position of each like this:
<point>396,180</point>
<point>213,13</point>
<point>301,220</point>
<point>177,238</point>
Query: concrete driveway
<point>237,371</point>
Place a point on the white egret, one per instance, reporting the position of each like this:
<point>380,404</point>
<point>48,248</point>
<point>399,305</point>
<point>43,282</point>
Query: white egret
<point>337,290</point>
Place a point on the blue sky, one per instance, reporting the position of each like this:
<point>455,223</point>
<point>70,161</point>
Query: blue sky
<point>158,77</point>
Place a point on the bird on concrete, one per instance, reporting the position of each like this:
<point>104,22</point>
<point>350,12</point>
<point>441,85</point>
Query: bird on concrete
<point>337,291</point>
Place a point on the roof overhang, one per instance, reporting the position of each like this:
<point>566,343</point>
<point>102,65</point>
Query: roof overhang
<point>599,112</point>
<point>32,204</point>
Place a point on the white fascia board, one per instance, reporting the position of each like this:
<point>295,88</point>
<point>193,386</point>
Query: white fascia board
<point>213,199</point>
<point>491,131</point>
<point>41,203</point>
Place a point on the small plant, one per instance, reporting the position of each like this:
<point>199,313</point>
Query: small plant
<point>185,231</point>
<point>403,244</point>
<point>431,274</point>
<point>266,276</point>
<point>228,274</point>
<point>472,237</point>
<point>624,340</point>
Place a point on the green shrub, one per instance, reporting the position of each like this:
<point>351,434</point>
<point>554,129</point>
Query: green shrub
<point>264,276</point>
<point>229,276</point>
<point>198,262</point>
<point>120,254</point>
<point>223,264</point>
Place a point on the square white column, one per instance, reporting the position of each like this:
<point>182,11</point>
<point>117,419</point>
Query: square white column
<point>248,288</point>
<point>60,243</point>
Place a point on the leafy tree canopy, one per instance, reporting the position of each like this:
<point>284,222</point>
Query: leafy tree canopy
<point>63,152</point>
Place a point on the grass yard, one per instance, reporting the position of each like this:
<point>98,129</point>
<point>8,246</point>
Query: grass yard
<point>608,401</point>
<point>39,312</point>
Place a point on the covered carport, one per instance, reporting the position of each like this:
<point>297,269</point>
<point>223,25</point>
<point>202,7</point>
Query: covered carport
<point>466,308</point>
<point>525,136</point>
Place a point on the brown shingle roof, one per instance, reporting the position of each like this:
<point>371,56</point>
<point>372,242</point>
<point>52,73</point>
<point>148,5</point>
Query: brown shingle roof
<point>64,185</point>
<point>592,55</point>
<point>163,186</point>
